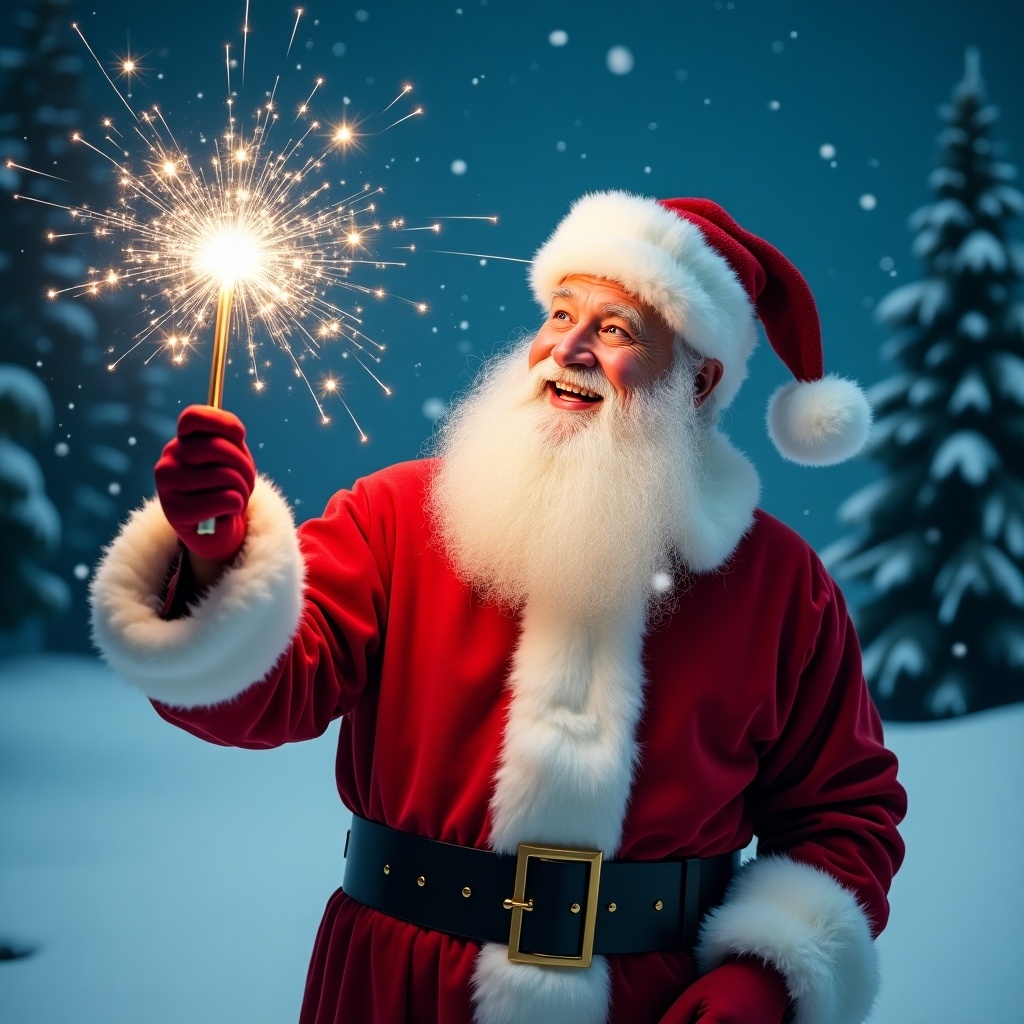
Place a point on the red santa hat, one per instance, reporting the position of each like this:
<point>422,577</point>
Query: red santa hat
<point>711,281</point>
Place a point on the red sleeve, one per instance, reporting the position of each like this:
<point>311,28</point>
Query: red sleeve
<point>826,792</point>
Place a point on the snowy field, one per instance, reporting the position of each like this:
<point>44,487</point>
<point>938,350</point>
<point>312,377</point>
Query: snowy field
<point>165,881</point>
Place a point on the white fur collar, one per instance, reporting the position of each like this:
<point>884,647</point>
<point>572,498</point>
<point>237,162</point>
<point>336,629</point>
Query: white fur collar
<point>724,506</point>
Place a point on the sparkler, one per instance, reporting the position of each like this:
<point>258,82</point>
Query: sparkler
<point>249,234</point>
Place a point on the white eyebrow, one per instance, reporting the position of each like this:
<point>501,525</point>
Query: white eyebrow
<point>632,317</point>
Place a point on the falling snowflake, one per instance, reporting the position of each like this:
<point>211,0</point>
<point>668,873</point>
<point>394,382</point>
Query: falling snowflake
<point>620,60</point>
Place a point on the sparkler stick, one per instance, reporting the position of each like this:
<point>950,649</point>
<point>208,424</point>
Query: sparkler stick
<point>220,347</point>
<point>220,355</point>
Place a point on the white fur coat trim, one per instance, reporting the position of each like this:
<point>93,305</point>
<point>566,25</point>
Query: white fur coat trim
<point>809,927</point>
<point>569,745</point>
<point>564,778</point>
<point>237,631</point>
<point>507,993</point>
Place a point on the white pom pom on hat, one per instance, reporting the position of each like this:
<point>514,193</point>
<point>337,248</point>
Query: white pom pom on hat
<point>709,278</point>
<point>819,422</point>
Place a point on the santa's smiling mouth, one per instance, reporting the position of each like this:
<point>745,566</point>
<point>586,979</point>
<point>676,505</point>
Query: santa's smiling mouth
<point>572,394</point>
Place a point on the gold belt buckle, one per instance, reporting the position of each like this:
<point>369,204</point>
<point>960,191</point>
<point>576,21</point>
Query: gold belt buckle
<point>519,905</point>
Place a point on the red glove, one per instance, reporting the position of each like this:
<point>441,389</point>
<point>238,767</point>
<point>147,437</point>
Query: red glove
<point>746,991</point>
<point>207,472</point>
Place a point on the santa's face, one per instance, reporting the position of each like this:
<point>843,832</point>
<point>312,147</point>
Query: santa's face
<point>578,512</point>
<point>597,328</point>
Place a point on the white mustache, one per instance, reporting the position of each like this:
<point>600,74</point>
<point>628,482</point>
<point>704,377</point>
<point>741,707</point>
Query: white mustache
<point>548,370</point>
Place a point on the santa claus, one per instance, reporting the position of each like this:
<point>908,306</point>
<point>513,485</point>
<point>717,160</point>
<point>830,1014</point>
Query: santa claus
<point>577,669</point>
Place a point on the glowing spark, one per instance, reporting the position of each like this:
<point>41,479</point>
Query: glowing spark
<point>129,66</point>
<point>273,92</point>
<point>343,134</point>
<point>230,254</point>
<point>245,38</point>
<point>305,106</point>
<point>331,388</point>
<point>491,219</point>
<point>406,89</point>
<point>295,28</point>
<point>78,31</point>
<point>480,255</point>
<point>12,166</point>
<point>417,111</point>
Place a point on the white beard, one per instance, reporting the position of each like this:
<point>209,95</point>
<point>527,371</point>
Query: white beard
<point>580,512</point>
<point>576,520</point>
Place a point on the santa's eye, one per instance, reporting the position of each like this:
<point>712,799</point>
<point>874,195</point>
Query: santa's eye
<point>617,331</point>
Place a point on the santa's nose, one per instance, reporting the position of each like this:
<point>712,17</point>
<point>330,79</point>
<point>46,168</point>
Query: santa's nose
<point>575,348</point>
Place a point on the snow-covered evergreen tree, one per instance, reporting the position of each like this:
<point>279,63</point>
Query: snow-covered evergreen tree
<point>940,537</point>
<point>110,426</point>
<point>29,523</point>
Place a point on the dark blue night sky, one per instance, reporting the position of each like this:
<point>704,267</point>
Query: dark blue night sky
<point>734,101</point>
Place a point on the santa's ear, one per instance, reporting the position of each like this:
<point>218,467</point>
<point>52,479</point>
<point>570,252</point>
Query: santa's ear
<point>705,380</point>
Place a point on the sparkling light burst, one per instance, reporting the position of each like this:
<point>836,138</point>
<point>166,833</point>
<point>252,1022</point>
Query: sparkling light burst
<point>255,221</point>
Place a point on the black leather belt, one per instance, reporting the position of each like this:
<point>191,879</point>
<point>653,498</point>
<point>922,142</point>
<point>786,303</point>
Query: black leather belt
<point>549,905</point>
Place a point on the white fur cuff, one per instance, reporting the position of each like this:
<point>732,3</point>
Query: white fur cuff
<point>809,927</point>
<point>236,633</point>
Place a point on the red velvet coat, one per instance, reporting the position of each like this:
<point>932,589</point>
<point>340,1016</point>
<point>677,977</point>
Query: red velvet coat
<point>755,722</point>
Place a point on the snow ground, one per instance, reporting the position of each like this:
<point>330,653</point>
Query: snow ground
<point>167,881</point>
